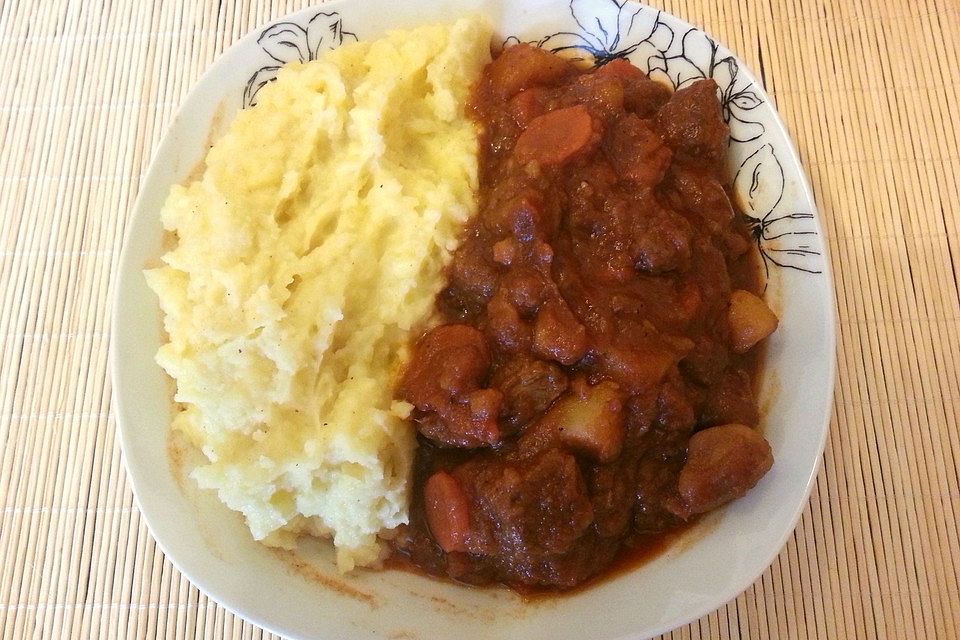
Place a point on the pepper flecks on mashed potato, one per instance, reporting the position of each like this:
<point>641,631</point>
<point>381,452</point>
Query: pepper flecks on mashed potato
<point>310,249</point>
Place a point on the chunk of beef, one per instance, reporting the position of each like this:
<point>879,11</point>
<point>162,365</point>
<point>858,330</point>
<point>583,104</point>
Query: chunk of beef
<point>656,484</point>
<point>707,362</point>
<point>529,386</point>
<point>612,495</point>
<point>661,242</point>
<point>698,193</point>
<point>536,507</point>
<point>674,411</point>
<point>557,334</point>
<point>443,381</point>
<point>527,105</point>
<point>505,326</point>
<point>602,234</point>
<point>472,281</point>
<point>709,266</point>
<point>603,93</point>
<point>525,523</point>
<point>684,305</point>
<point>723,463</point>
<point>583,298</point>
<point>527,289</point>
<point>730,400</point>
<point>641,95</point>
<point>692,124</point>
<point>642,412</point>
<point>636,151</point>
<point>516,207</point>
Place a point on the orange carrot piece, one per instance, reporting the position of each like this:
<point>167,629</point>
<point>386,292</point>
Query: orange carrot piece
<point>555,137</point>
<point>447,511</point>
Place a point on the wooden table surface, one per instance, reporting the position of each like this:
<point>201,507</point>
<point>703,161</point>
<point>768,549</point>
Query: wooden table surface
<point>871,93</point>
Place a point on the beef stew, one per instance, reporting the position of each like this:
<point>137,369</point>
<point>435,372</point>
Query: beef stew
<point>590,388</point>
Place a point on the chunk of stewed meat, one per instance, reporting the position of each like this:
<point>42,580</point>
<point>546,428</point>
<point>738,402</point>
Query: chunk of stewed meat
<point>749,319</point>
<point>444,382</point>
<point>674,411</point>
<point>656,486</point>
<point>523,66</point>
<point>723,463</point>
<point>730,400</point>
<point>612,495</point>
<point>557,334</point>
<point>536,507</point>
<point>699,194</point>
<point>713,277</point>
<point>517,208</point>
<point>527,289</point>
<point>661,242</point>
<point>473,280</point>
<point>692,124</point>
<point>642,413</point>
<point>637,152</point>
<point>603,94</point>
<point>641,95</point>
<point>529,386</point>
<point>707,361</point>
<point>505,326</point>
<point>556,137</point>
<point>604,233</point>
<point>527,105</point>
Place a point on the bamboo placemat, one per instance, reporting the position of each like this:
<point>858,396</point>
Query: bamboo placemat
<point>870,91</point>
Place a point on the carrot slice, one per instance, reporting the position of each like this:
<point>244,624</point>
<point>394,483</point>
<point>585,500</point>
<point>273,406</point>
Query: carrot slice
<point>447,511</point>
<point>555,137</point>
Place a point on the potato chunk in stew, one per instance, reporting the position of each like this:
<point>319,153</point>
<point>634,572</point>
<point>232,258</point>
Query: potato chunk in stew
<point>750,320</point>
<point>590,420</point>
<point>723,463</point>
<point>590,387</point>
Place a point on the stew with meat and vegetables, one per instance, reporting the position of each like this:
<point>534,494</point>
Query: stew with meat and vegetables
<point>590,387</point>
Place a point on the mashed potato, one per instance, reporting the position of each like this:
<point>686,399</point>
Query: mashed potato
<point>306,256</point>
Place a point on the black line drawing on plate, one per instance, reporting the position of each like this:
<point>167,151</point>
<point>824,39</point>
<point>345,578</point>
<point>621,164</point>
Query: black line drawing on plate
<point>610,29</point>
<point>605,30</point>
<point>288,42</point>
<point>783,239</point>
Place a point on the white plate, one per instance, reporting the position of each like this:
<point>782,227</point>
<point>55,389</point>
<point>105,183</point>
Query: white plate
<point>710,566</point>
